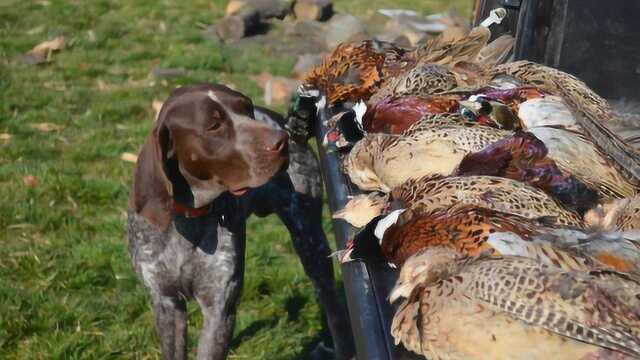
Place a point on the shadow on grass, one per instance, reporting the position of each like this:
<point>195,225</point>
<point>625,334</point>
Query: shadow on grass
<point>317,348</point>
<point>293,305</point>
<point>321,345</point>
<point>252,330</point>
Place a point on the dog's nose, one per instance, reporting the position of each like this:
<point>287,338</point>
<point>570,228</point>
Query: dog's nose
<point>279,142</point>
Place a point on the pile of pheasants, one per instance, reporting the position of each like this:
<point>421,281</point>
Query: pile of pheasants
<point>498,190</point>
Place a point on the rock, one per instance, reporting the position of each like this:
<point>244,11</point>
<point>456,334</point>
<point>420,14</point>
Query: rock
<point>166,73</point>
<point>343,28</point>
<point>278,90</point>
<point>309,33</point>
<point>234,27</point>
<point>396,30</point>
<point>305,63</point>
<point>319,10</point>
<point>417,28</point>
<point>267,9</point>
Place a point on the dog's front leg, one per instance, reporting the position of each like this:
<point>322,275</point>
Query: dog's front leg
<point>171,322</point>
<point>218,294</point>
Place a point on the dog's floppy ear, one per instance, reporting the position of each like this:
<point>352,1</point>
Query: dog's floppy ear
<point>163,146</point>
<point>152,191</point>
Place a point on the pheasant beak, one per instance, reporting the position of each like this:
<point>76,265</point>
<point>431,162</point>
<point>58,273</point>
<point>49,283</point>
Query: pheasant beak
<point>343,256</point>
<point>401,290</point>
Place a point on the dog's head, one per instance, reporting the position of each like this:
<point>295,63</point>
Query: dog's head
<point>205,142</point>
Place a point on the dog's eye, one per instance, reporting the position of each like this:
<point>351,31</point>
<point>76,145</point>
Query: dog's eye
<point>215,126</point>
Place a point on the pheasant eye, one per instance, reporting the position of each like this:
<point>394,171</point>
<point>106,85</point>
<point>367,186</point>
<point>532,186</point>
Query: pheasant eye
<point>486,107</point>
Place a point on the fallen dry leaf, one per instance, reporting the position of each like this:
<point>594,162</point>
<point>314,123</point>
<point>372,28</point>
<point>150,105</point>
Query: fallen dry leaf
<point>5,136</point>
<point>157,106</point>
<point>42,52</point>
<point>49,45</point>
<point>129,157</point>
<point>262,79</point>
<point>30,181</point>
<point>46,127</point>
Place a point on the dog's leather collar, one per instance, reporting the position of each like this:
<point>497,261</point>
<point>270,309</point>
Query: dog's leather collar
<point>188,212</point>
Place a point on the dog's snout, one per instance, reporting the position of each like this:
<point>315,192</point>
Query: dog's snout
<point>279,142</point>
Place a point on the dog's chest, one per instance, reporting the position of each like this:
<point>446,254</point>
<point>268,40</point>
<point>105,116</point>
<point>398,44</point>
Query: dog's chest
<point>178,261</point>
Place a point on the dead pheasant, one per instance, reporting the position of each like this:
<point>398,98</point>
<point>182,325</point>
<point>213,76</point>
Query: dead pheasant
<point>618,215</point>
<point>524,157</point>
<point>473,230</point>
<point>456,307</point>
<point>356,71</point>
<point>437,144</point>
<point>436,192</point>
<point>490,107</point>
<point>574,250</point>
<point>590,111</point>
<point>379,161</point>
<point>464,229</point>
<point>352,72</point>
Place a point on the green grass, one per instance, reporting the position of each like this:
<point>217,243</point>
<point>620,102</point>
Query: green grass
<point>67,289</point>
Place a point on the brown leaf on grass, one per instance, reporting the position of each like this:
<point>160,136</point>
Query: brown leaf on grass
<point>157,106</point>
<point>262,79</point>
<point>129,157</point>
<point>41,53</point>
<point>46,127</point>
<point>30,181</point>
<point>5,136</point>
<point>54,44</point>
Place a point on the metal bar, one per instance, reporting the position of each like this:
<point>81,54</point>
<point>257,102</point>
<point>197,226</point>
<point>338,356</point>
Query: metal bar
<point>366,322</point>
<point>367,284</point>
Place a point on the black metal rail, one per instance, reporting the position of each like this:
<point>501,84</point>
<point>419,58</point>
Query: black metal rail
<point>367,286</point>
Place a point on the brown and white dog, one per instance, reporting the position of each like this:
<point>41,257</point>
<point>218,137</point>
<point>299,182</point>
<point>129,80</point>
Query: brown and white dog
<point>211,161</point>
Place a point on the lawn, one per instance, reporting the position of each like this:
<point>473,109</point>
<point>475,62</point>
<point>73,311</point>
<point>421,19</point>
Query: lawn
<point>67,289</point>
